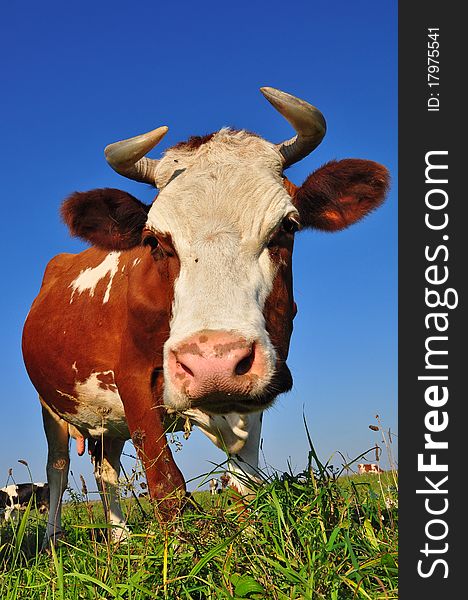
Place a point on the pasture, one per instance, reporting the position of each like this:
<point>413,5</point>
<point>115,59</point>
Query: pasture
<point>314,535</point>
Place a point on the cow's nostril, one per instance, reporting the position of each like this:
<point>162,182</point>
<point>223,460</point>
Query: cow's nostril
<point>244,365</point>
<point>183,367</point>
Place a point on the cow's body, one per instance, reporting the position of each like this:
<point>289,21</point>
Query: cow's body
<point>369,468</point>
<point>181,312</point>
<point>16,497</point>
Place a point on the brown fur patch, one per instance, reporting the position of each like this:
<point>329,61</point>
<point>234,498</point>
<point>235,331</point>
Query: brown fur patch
<point>341,193</point>
<point>138,438</point>
<point>106,381</point>
<point>291,188</point>
<point>195,141</point>
<point>108,218</point>
<point>189,349</point>
<point>221,349</point>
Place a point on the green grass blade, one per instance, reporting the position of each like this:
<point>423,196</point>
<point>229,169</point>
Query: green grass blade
<point>94,581</point>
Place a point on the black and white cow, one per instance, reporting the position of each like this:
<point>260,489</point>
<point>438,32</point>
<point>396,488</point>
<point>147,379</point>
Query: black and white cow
<point>16,497</point>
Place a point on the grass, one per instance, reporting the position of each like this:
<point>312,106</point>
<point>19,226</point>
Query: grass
<point>308,536</point>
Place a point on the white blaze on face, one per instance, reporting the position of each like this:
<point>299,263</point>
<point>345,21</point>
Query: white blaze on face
<point>220,203</point>
<point>88,279</point>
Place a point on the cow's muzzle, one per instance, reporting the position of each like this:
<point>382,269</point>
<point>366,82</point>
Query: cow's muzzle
<point>219,369</point>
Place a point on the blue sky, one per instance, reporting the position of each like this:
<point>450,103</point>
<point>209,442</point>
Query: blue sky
<point>77,76</point>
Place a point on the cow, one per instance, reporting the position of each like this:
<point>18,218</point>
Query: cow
<point>16,497</point>
<point>181,312</point>
<point>369,468</point>
<point>213,486</point>
<point>224,480</point>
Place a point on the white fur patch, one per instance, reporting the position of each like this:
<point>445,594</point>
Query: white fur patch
<point>88,279</point>
<point>243,466</point>
<point>99,408</point>
<point>10,490</point>
<point>229,432</point>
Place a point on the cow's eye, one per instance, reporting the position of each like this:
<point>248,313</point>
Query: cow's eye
<point>151,241</point>
<point>161,246</point>
<point>282,236</point>
<point>290,225</point>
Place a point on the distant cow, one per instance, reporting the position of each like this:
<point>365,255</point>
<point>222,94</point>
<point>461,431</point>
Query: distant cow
<point>14,498</point>
<point>213,486</point>
<point>181,312</point>
<point>369,468</point>
<point>224,480</point>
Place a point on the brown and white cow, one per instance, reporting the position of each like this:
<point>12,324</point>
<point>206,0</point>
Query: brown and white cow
<point>183,310</point>
<point>369,468</point>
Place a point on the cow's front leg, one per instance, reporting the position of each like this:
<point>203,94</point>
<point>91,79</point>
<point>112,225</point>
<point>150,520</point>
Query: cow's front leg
<point>145,417</point>
<point>165,481</point>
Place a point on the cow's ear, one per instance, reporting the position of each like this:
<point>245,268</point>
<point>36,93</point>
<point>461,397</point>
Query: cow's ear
<point>341,193</point>
<point>107,218</point>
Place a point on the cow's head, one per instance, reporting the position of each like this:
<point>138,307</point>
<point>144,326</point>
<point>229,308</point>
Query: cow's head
<point>225,219</point>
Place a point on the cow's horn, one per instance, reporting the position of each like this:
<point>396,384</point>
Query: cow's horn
<point>307,120</point>
<point>128,156</point>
